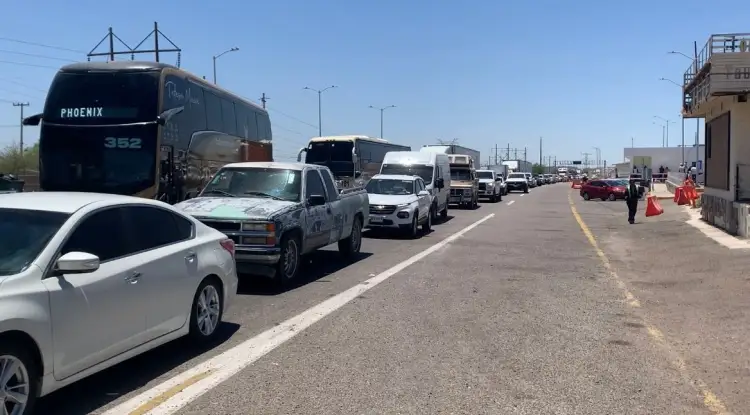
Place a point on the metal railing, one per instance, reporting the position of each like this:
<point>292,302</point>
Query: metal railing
<point>720,43</point>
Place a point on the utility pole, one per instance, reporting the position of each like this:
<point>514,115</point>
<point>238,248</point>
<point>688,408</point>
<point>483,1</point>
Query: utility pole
<point>263,100</point>
<point>586,160</point>
<point>382,110</point>
<point>540,152</point>
<point>21,105</point>
<point>507,154</point>
<point>496,148</point>
<point>525,160</point>
<point>157,50</point>
<point>515,154</point>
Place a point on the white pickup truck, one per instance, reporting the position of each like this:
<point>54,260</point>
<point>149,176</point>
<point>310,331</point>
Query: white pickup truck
<point>276,212</point>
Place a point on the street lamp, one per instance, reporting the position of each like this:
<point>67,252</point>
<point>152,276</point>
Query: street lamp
<point>320,114</point>
<point>220,55</point>
<point>666,125</point>
<point>381,116</point>
<point>682,124</point>
<point>697,120</point>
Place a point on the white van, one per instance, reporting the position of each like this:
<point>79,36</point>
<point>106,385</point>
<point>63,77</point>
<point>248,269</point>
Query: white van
<point>433,168</point>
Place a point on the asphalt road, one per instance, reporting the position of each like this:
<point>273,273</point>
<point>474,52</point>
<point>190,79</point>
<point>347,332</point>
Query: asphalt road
<point>518,315</point>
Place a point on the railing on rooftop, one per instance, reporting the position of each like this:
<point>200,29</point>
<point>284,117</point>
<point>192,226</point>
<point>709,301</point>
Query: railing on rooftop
<point>721,43</point>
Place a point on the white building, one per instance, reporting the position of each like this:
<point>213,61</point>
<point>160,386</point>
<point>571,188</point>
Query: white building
<point>665,156</point>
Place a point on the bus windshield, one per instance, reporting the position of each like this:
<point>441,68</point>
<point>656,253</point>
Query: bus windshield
<point>463,174</point>
<point>423,171</point>
<point>100,98</point>
<point>110,159</point>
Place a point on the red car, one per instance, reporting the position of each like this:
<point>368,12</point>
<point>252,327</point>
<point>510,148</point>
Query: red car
<point>604,189</point>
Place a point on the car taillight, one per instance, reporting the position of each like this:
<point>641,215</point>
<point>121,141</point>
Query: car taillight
<point>228,244</point>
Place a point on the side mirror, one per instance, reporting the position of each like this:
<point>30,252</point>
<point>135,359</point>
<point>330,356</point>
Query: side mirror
<point>165,116</point>
<point>357,174</point>
<point>498,179</point>
<point>32,120</point>
<point>440,183</point>
<point>77,263</point>
<point>423,193</point>
<point>299,154</point>
<point>316,200</point>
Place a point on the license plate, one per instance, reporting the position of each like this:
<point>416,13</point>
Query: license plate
<point>376,220</point>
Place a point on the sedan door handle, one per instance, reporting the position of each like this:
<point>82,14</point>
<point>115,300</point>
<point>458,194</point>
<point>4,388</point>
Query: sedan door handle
<point>191,256</point>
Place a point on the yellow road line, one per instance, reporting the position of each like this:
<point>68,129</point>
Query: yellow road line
<point>158,400</point>
<point>710,400</point>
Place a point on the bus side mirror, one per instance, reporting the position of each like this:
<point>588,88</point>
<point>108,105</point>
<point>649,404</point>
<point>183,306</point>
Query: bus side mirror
<point>32,120</point>
<point>165,116</point>
<point>299,155</point>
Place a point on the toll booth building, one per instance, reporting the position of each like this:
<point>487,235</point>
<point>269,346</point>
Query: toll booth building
<point>716,87</point>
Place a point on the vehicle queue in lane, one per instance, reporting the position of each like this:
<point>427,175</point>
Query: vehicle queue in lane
<point>172,254</point>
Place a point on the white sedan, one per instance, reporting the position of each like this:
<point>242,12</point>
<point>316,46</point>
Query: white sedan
<point>89,280</point>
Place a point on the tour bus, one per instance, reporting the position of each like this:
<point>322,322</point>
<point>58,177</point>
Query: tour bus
<point>143,129</point>
<point>353,159</point>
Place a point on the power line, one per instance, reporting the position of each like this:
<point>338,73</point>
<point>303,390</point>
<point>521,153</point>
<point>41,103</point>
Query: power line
<point>41,45</point>
<point>36,55</point>
<point>291,117</point>
<point>10,81</point>
<point>32,65</point>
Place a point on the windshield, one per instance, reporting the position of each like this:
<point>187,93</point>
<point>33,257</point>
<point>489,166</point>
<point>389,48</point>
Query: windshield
<point>390,187</point>
<point>517,176</point>
<point>23,235</point>
<point>485,175</point>
<point>336,155</point>
<point>460,174</point>
<point>102,98</point>
<point>423,171</point>
<point>108,159</point>
<point>279,184</point>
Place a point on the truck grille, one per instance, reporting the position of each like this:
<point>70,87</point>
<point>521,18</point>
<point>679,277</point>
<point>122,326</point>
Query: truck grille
<point>482,186</point>
<point>382,209</point>
<point>223,226</point>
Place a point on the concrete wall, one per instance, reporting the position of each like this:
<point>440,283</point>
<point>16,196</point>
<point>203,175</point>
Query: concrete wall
<point>739,133</point>
<point>666,156</point>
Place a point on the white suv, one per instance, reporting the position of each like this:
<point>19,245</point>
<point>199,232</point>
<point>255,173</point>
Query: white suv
<point>399,202</point>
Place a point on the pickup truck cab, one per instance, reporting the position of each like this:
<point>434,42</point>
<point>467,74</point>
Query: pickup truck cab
<point>490,185</point>
<point>277,212</point>
<point>399,202</point>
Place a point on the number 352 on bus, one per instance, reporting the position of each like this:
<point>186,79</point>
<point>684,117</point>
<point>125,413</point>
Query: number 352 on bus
<point>129,143</point>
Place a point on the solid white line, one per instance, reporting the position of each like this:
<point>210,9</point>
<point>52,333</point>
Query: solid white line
<point>511,202</point>
<point>170,396</point>
<point>523,195</point>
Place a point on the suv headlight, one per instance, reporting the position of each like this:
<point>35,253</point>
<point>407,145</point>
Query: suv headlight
<point>258,227</point>
<point>490,184</point>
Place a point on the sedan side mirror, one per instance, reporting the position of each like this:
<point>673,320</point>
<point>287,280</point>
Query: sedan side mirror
<point>77,263</point>
<point>423,193</point>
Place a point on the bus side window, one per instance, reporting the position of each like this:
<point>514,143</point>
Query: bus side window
<point>228,118</point>
<point>214,120</point>
<point>264,126</point>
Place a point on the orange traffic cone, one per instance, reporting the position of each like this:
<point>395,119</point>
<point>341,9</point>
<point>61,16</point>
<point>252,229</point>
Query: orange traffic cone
<point>652,207</point>
<point>677,192</point>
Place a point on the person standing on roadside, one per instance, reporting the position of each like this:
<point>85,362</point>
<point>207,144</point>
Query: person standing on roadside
<point>631,200</point>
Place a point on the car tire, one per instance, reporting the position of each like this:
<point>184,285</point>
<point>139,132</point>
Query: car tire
<point>586,196</point>
<point>27,373</point>
<point>526,189</point>
<point>207,311</point>
<point>351,246</point>
<point>414,229</point>
<point>434,212</point>
<point>493,199</point>
<point>427,225</point>
<point>500,197</point>
<point>444,213</point>
<point>286,271</point>
<point>612,197</point>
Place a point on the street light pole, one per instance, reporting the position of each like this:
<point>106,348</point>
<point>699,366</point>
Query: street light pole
<point>320,106</point>
<point>220,55</point>
<point>694,59</point>
<point>382,110</point>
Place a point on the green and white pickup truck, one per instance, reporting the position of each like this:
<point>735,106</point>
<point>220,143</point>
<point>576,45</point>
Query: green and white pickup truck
<point>277,212</point>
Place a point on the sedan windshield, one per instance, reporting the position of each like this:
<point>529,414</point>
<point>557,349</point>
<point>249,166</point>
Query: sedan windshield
<point>390,187</point>
<point>279,184</point>
<point>23,235</point>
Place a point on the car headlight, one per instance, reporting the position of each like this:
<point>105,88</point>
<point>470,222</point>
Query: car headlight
<point>403,205</point>
<point>490,184</point>
<point>258,227</point>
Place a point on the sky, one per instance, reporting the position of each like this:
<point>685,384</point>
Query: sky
<point>579,74</point>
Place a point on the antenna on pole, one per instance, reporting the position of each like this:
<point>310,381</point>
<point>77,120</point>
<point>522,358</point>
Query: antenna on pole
<point>157,50</point>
